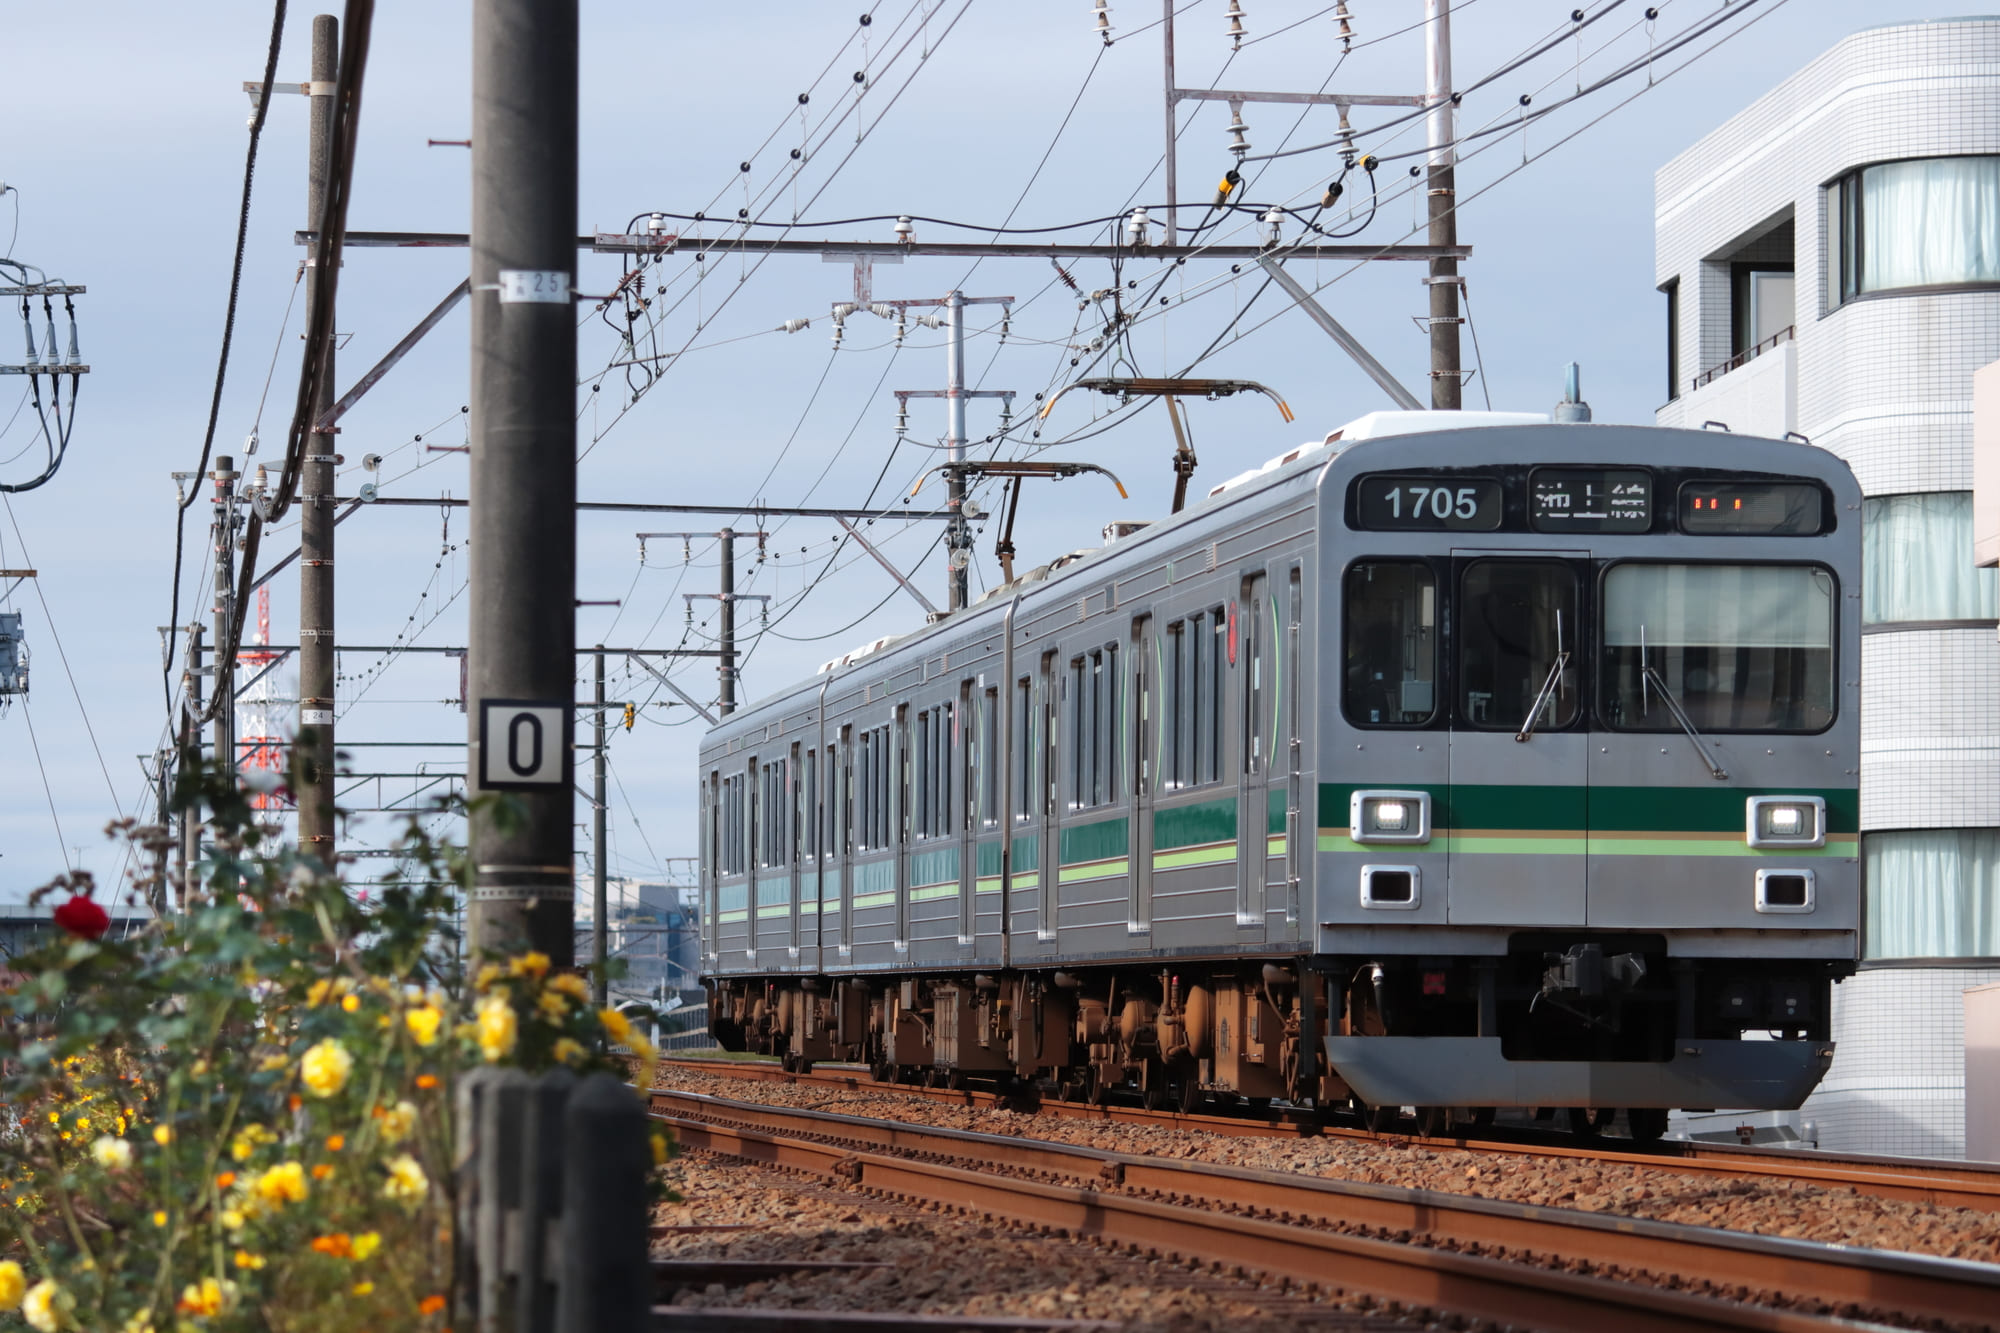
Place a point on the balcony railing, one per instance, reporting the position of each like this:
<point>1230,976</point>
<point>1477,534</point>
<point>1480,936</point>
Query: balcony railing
<point>1745,357</point>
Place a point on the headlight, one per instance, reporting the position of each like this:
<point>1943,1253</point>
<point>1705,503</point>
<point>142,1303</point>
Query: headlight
<point>1785,821</point>
<point>1389,816</point>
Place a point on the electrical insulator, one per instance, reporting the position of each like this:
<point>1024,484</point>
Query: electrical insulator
<point>1275,221</point>
<point>1135,227</point>
<point>1239,144</point>
<point>1006,321</point>
<point>1101,10</point>
<point>28,328</point>
<point>75,357</point>
<point>1346,136</point>
<point>882,310</point>
<point>902,328</point>
<point>906,230</point>
<point>687,552</point>
<point>902,418</point>
<point>1340,16</point>
<point>656,223</point>
<point>1006,418</point>
<point>794,325</point>
<point>1235,17</point>
<point>52,357</point>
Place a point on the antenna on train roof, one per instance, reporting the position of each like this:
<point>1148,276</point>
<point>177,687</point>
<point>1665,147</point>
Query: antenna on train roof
<point>1572,408</point>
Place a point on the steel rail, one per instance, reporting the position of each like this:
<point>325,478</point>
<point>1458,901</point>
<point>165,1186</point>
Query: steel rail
<point>1943,1184</point>
<point>1909,1285</point>
<point>1416,1275</point>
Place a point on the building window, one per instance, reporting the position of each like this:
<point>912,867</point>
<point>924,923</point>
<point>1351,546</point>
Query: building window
<point>1932,222</point>
<point>1916,559</point>
<point>1761,307</point>
<point>1933,893</point>
<point>1673,294</point>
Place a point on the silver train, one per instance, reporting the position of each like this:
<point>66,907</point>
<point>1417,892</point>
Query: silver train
<point>1448,769</point>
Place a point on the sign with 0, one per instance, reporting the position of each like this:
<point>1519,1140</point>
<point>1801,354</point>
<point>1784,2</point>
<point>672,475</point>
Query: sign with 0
<point>523,743</point>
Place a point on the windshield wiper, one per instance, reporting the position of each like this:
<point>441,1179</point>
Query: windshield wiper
<point>1658,682</point>
<point>1545,698</point>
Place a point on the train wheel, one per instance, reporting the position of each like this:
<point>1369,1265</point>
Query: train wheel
<point>1647,1123</point>
<point>1191,1094</point>
<point>955,1080</point>
<point>882,1071</point>
<point>1585,1122</point>
<point>1379,1119</point>
<point>1066,1090</point>
<point>1155,1096</point>
<point>1434,1122</point>
<point>1093,1088</point>
<point>1482,1116</point>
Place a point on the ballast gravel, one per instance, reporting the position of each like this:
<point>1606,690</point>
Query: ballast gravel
<point>942,1264</point>
<point>1770,1207</point>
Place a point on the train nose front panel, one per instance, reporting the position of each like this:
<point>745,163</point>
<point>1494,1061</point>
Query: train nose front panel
<point>1516,815</point>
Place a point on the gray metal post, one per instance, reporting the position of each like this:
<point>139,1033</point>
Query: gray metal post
<point>224,477</point>
<point>726,664</point>
<point>607,1280</point>
<point>523,477</point>
<point>312,753</point>
<point>1443,198</point>
<point>190,849</point>
<point>957,542</point>
<point>499,1140</point>
<point>599,925</point>
<point>157,896</point>
<point>1167,49</point>
<point>541,1202</point>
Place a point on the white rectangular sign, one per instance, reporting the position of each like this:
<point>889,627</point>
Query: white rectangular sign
<point>522,743</point>
<point>533,286</point>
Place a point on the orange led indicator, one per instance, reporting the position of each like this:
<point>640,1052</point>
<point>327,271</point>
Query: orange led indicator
<point>1739,503</point>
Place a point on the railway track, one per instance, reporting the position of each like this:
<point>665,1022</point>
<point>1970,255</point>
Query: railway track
<point>1469,1256</point>
<point>1918,1180</point>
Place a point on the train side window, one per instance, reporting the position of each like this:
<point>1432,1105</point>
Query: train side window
<point>925,761</point>
<point>840,769</point>
<point>1390,648</point>
<point>989,759</point>
<point>1106,664</point>
<point>1023,742</point>
<point>1212,696</point>
<point>809,800</point>
<point>1517,645</point>
<point>1173,706</point>
<point>1076,727</point>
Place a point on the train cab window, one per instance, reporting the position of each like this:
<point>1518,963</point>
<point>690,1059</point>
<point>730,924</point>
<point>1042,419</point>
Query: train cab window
<point>1391,646</point>
<point>1737,647</point>
<point>1517,643</point>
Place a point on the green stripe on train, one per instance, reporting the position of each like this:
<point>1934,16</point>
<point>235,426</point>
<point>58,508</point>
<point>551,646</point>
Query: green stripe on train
<point>1579,807</point>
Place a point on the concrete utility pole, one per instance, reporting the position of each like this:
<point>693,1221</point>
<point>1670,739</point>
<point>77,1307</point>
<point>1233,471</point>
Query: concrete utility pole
<point>224,477</point>
<point>958,538</point>
<point>521,652</point>
<point>1446,381</point>
<point>600,928</point>
<point>190,848</point>
<point>312,755</point>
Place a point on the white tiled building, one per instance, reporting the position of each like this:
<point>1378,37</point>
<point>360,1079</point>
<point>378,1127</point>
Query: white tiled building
<point>1831,259</point>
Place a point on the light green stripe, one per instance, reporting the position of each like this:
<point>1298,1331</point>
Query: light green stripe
<point>1027,879</point>
<point>987,884</point>
<point>780,910</point>
<point>875,899</point>
<point>933,891</point>
<point>1214,854</point>
<point>1097,870</point>
<point>738,915</point>
<point>808,908</point>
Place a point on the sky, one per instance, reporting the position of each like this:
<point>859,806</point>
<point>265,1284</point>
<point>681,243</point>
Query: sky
<point>122,137</point>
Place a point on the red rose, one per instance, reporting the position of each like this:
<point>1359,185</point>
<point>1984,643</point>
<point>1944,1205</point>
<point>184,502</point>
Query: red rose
<point>83,917</point>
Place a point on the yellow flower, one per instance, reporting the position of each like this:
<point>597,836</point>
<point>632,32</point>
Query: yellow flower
<point>616,1026</point>
<point>139,1322</point>
<point>552,1005</point>
<point>54,1119</point>
<point>488,974</point>
<point>83,1122</point>
<point>325,1068</point>
<point>46,1306</point>
<point>13,1285</point>
<point>530,964</point>
<point>366,1244</point>
<point>248,1139</point>
<point>159,1217</point>
<point>660,1153</point>
<point>119,1124</point>
<point>231,1219</point>
<point>567,1051</point>
<point>317,992</point>
<point>362,1288</point>
<point>572,985</point>
<point>111,1154</point>
<point>398,1121</point>
<point>282,1184</point>
<point>271,1062</point>
<point>206,1297</point>
<point>496,1028</point>
<point>423,1023</point>
<point>245,1259</point>
<point>350,1003</point>
<point>163,1135</point>
<point>407,1182</point>
<point>641,1047</point>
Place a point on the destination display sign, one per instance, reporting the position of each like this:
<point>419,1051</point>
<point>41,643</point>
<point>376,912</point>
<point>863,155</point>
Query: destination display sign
<point>1578,499</point>
<point>1752,508</point>
<point>1429,504</point>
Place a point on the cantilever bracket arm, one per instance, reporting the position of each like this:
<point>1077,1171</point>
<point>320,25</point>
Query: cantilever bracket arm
<point>1349,344</point>
<point>1168,388</point>
<point>1055,471</point>
<point>685,697</point>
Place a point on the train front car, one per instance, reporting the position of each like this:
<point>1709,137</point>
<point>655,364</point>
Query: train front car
<point>1587,754</point>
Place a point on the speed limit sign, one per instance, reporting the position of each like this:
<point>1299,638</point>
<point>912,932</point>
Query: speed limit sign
<point>522,743</point>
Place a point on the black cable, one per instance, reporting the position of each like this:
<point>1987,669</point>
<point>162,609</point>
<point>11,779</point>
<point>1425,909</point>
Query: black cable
<point>228,330</point>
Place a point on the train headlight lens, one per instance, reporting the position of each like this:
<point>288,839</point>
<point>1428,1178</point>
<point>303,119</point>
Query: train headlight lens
<point>1786,821</point>
<point>1385,815</point>
<point>1389,816</point>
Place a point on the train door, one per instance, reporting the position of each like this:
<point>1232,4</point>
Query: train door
<point>1519,741</point>
<point>966,780</point>
<point>1291,686</point>
<point>794,849</point>
<point>753,880</point>
<point>899,821</point>
<point>1048,877</point>
<point>1249,648</point>
<point>711,931</point>
<point>842,771</point>
<point>1144,750</point>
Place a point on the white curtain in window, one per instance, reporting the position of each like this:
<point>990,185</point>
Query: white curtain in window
<point>1916,557</point>
<point>1718,606</point>
<point>1933,893</point>
<point>1930,222</point>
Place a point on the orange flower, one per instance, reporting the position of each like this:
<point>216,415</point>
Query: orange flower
<point>321,1171</point>
<point>430,1305</point>
<point>225,1180</point>
<point>335,1142</point>
<point>427,1082</point>
<point>294,1102</point>
<point>340,1245</point>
